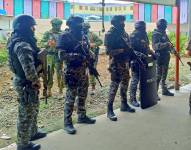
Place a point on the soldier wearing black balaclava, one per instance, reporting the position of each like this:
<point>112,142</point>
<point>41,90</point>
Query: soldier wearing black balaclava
<point>140,43</point>
<point>72,45</point>
<point>162,47</point>
<point>116,41</point>
<point>24,64</point>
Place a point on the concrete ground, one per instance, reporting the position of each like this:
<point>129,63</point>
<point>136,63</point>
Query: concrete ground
<point>166,126</point>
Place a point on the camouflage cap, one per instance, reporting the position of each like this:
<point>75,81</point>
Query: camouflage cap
<point>56,21</point>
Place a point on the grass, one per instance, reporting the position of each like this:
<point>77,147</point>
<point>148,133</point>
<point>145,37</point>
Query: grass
<point>3,55</point>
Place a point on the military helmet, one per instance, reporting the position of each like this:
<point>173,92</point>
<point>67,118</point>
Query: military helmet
<point>56,21</point>
<point>161,23</point>
<point>73,20</point>
<point>140,25</point>
<point>86,25</point>
<point>117,18</point>
<point>23,22</point>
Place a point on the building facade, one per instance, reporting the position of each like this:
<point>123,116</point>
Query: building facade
<point>47,9</point>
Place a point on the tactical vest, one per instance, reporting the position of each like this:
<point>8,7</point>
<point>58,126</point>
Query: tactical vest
<point>14,63</point>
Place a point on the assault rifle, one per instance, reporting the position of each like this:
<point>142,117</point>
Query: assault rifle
<point>42,56</point>
<point>173,50</point>
<point>90,61</point>
<point>134,54</point>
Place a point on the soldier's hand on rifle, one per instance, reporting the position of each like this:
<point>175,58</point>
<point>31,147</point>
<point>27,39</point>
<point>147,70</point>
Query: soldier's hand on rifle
<point>52,43</point>
<point>36,85</point>
<point>92,45</point>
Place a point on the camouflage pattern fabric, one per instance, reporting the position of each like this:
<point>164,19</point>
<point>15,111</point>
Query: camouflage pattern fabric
<point>119,68</point>
<point>94,39</point>
<point>139,42</point>
<point>28,107</point>
<point>53,60</point>
<point>159,43</point>
<point>75,74</point>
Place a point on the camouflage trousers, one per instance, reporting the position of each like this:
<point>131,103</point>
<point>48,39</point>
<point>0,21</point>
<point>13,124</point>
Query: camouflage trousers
<point>54,64</point>
<point>119,77</point>
<point>135,78</point>
<point>77,87</point>
<point>27,116</point>
<point>162,72</point>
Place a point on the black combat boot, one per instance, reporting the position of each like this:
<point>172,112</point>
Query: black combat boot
<point>110,114</point>
<point>134,103</point>
<point>158,98</point>
<point>84,119</point>
<point>69,128</point>
<point>38,135</point>
<point>166,92</point>
<point>30,146</point>
<point>126,107</point>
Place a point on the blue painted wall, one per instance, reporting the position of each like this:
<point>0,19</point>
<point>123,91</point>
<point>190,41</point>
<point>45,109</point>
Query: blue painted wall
<point>67,8</point>
<point>18,7</point>
<point>44,11</point>
<point>148,10</point>
<point>168,14</point>
<point>129,18</point>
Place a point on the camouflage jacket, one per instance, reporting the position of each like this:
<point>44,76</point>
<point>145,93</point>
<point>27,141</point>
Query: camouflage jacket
<point>50,35</point>
<point>23,62</point>
<point>93,38</point>
<point>159,44</point>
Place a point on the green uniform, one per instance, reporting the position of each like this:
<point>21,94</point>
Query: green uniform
<point>93,38</point>
<point>53,61</point>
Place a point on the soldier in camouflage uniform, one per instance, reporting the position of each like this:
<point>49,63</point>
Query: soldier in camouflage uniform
<point>162,47</point>
<point>23,63</point>
<point>140,43</point>
<point>95,42</point>
<point>72,45</point>
<point>188,53</point>
<point>116,48</point>
<point>49,42</point>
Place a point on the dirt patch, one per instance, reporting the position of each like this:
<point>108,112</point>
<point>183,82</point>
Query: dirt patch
<point>51,115</point>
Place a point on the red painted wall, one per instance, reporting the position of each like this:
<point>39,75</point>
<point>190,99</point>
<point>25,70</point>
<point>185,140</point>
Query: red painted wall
<point>154,13</point>
<point>136,11</point>
<point>174,12</point>
<point>8,6</point>
<point>36,8</point>
<point>60,10</point>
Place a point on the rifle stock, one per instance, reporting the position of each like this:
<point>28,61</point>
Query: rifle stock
<point>42,55</point>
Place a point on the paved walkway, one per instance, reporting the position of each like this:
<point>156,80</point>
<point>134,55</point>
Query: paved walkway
<point>166,126</point>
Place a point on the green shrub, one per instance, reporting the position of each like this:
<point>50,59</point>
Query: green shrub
<point>3,54</point>
<point>172,37</point>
